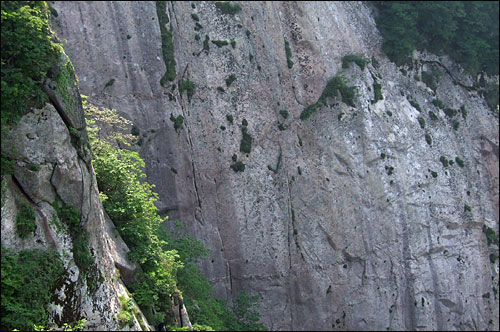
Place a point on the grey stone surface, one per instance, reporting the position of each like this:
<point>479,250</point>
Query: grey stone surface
<point>344,245</point>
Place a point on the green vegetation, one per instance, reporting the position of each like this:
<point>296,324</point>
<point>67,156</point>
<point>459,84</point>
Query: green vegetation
<point>238,166</point>
<point>288,52</point>
<point>198,26</point>
<point>434,174</point>
<point>25,221</point>
<point>230,118</point>
<point>464,112</point>
<point>33,167</point>
<point>248,33</point>
<point>221,89</point>
<point>220,43</point>
<point>388,112</point>
<point>110,82</point>
<point>28,52</point>
<point>281,126</point>
<point>455,124</point>
<point>167,44</point>
<point>433,116</point>
<point>222,127</point>
<point>233,43</point>
<point>459,161</point>
<point>246,140</point>
<point>178,121</point>
<point>467,208</point>
<point>465,30</point>
<point>389,170</point>
<point>428,139</point>
<point>338,84</point>
<point>227,8</point>
<point>197,37</point>
<point>187,86</point>
<point>195,17</point>
<point>421,121</point>
<point>415,104</point>
<point>438,103</point>
<point>491,94</point>
<point>284,113</point>
<point>378,92</point>
<point>491,236</point>
<point>206,46</point>
<point>382,156</point>
<point>230,80</point>
<point>361,62</point>
<point>444,161</point>
<point>431,79</point>
<point>450,112</point>
<point>127,312</point>
<point>28,279</point>
<point>308,111</point>
<point>167,261</point>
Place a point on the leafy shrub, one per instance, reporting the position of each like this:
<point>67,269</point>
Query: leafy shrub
<point>434,174</point>
<point>25,221</point>
<point>129,201</point>
<point>28,52</point>
<point>198,26</point>
<point>361,62</point>
<point>195,17</point>
<point>433,116</point>
<point>233,43</point>
<point>135,131</point>
<point>428,139</point>
<point>415,104</point>
<point>338,84</point>
<point>284,113</point>
<point>421,121</point>
<point>230,80</point>
<point>167,44</point>
<point>491,236</point>
<point>197,37</point>
<point>206,46</point>
<point>450,112</point>
<point>127,313</point>
<point>227,8</point>
<point>246,141</point>
<point>389,170</point>
<point>308,111</point>
<point>229,118</point>
<point>467,31</point>
<point>455,124</point>
<point>288,52</point>
<point>28,278</point>
<point>444,161</point>
<point>187,86</point>
<point>33,167</point>
<point>459,161</point>
<point>220,43</point>
<point>178,121</point>
<point>281,126</point>
<point>238,166</point>
<point>438,103</point>
<point>378,92</point>
<point>388,112</point>
<point>110,82</point>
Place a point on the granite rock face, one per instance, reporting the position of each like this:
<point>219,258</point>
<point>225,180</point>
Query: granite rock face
<point>357,223</point>
<point>48,167</point>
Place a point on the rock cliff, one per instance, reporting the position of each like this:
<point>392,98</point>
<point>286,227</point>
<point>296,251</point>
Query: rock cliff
<point>366,215</point>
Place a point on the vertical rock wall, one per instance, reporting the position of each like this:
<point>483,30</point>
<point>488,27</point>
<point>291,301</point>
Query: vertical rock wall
<point>336,236</point>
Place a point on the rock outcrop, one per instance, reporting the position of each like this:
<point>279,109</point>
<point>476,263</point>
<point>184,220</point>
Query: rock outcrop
<point>357,223</point>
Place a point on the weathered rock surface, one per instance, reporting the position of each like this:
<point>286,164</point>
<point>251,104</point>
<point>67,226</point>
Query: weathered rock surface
<point>42,139</point>
<point>346,242</point>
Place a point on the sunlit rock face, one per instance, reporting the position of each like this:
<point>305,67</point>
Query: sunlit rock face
<point>346,220</point>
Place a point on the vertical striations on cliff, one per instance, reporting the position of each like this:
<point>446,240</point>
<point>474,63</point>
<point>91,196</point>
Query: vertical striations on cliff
<point>379,210</point>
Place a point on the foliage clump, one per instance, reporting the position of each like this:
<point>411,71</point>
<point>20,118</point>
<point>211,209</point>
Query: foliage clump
<point>188,86</point>
<point>238,167</point>
<point>177,120</point>
<point>167,44</point>
<point>421,122</point>
<point>28,278</point>
<point>361,62</point>
<point>284,113</point>
<point>377,87</point>
<point>25,221</point>
<point>428,139</point>
<point>460,162</point>
<point>288,52</point>
<point>465,30</point>
<point>230,80</point>
<point>220,43</point>
<point>246,140</point>
<point>227,8</point>
<point>431,78</point>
